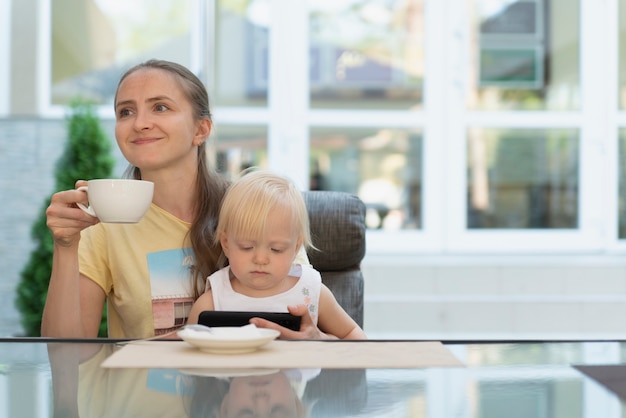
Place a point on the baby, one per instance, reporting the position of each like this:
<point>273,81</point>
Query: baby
<point>263,224</point>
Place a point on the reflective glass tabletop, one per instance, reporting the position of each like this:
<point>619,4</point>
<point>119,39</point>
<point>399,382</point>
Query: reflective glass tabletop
<point>499,379</point>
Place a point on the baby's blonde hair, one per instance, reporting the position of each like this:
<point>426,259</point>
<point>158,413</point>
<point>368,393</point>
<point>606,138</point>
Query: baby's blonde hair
<point>250,199</point>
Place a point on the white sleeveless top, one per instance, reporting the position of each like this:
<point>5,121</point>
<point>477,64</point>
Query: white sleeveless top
<point>305,292</point>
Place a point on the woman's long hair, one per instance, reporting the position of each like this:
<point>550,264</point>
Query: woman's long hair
<point>210,186</point>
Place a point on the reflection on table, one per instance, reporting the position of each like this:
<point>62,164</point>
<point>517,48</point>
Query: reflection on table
<point>551,379</point>
<point>199,392</point>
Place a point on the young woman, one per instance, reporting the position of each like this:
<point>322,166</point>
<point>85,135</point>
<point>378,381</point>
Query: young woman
<point>263,225</point>
<point>149,273</point>
<point>141,270</point>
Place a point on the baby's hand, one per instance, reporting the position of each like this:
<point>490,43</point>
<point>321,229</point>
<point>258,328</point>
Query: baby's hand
<point>308,330</point>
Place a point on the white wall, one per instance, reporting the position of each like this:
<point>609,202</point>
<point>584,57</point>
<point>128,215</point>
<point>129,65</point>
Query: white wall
<point>497,297</point>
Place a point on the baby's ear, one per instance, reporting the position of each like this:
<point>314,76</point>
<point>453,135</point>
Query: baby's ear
<point>224,243</point>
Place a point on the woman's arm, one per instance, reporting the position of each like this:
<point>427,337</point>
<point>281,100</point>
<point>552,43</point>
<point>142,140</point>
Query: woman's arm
<point>74,303</point>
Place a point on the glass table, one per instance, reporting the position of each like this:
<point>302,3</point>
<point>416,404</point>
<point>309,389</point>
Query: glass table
<point>500,379</point>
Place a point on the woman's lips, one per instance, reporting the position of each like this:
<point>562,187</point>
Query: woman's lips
<point>140,141</point>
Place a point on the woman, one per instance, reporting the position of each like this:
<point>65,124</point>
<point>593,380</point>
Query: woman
<point>162,124</point>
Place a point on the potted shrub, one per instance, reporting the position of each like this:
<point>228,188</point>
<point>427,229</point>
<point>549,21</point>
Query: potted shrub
<point>87,155</point>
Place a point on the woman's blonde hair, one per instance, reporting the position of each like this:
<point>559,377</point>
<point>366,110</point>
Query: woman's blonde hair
<point>250,199</point>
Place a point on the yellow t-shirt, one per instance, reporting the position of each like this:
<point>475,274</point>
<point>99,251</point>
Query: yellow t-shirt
<point>143,269</point>
<point>121,392</point>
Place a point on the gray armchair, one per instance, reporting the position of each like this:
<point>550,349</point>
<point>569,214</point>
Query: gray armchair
<point>338,232</point>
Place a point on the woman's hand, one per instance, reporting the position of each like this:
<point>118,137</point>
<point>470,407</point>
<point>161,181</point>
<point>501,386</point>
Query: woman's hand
<point>65,219</point>
<point>308,330</point>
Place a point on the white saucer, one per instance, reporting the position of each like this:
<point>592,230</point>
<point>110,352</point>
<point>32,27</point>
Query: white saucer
<point>224,373</point>
<point>229,340</point>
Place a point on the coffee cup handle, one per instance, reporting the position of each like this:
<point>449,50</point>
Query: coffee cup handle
<point>87,209</point>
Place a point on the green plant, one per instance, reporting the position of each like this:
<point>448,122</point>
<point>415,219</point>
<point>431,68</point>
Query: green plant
<point>87,155</point>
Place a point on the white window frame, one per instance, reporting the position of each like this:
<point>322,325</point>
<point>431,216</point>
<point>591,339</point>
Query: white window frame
<point>44,69</point>
<point>617,121</point>
<point>5,57</point>
<point>444,122</point>
<point>594,135</point>
<point>288,95</point>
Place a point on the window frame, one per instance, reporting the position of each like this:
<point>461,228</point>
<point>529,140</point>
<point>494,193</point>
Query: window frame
<point>590,121</point>
<point>5,57</point>
<point>443,119</point>
<point>616,122</point>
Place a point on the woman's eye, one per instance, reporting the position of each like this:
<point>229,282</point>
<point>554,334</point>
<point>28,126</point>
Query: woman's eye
<point>160,108</point>
<point>124,112</point>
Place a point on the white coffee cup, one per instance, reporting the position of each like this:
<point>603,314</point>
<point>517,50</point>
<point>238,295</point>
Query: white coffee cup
<point>118,200</point>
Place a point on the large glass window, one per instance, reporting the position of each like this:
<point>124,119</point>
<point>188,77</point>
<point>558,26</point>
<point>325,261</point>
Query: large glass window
<point>523,179</point>
<point>622,54</point>
<point>451,120</point>
<point>382,166</point>
<point>94,41</point>
<point>363,53</point>
<point>525,55</point>
<point>239,147</point>
<point>367,53</point>
<point>241,53</point>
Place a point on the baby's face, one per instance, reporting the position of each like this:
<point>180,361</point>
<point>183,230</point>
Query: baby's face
<point>261,264</point>
<point>261,396</point>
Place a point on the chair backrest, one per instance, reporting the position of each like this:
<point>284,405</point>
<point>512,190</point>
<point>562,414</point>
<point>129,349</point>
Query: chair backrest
<point>338,232</point>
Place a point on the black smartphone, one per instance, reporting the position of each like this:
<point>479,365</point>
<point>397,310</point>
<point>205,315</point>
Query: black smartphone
<point>240,318</point>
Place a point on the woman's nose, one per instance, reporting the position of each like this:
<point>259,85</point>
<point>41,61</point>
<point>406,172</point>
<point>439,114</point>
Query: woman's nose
<point>142,120</point>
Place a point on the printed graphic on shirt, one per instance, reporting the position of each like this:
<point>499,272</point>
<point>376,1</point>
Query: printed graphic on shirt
<point>170,282</point>
<point>308,301</point>
<point>168,381</point>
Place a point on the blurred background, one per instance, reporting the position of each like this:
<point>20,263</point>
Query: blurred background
<point>486,137</point>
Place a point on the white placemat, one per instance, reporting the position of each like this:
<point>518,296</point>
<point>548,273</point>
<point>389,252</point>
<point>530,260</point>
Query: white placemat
<point>288,354</point>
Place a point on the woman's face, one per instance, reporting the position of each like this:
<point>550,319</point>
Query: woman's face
<point>155,125</point>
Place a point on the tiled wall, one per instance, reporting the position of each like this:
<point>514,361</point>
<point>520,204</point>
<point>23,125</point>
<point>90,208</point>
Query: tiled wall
<point>29,149</point>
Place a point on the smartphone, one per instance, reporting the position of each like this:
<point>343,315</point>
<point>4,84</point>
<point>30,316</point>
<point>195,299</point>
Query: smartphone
<point>240,318</point>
